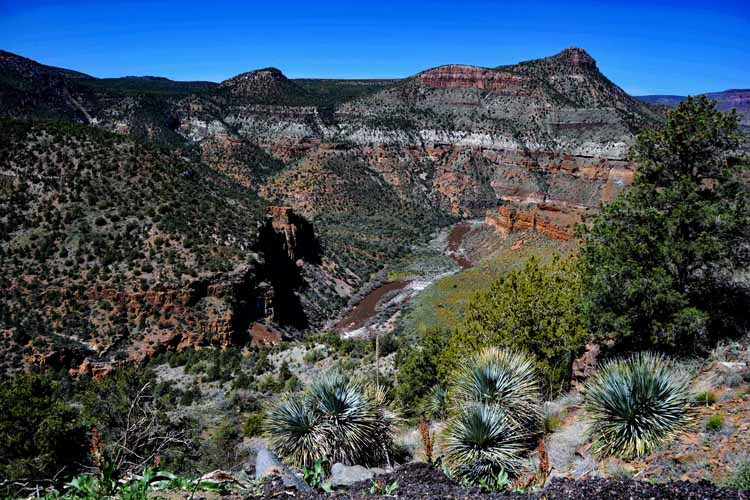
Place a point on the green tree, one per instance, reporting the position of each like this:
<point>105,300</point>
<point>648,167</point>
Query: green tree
<point>536,309</point>
<point>661,263</point>
<point>417,370</point>
<point>41,435</point>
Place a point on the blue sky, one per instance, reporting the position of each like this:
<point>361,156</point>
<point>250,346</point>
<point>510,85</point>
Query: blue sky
<point>646,47</point>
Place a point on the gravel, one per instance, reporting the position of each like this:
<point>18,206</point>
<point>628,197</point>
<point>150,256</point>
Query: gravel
<point>422,481</point>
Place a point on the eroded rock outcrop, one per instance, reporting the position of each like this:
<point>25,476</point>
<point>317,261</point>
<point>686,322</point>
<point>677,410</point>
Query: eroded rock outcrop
<point>282,223</point>
<point>462,77</point>
<point>550,220</point>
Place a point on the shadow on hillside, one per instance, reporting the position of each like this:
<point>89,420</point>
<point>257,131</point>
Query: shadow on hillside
<point>286,251</point>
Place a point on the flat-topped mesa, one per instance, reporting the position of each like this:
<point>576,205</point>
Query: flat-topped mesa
<point>457,76</point>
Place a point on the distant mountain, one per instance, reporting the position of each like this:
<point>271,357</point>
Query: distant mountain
<point>726,101</point>
<point>149,85</point>
<point>663,100</point>
<point>138,106</point>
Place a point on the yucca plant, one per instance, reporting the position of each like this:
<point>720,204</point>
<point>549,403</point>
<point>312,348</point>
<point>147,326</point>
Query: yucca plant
<point>481,444</point>
<point>505,379</point>
<point>385,422</point>
<point>636,404</point>
<point>335,418</point>
<point>496,409</point>
<point>436,405</point>
<point>295,433</point>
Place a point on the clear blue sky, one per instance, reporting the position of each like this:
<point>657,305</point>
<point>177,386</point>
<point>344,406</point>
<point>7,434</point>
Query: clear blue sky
<point>660,46</point>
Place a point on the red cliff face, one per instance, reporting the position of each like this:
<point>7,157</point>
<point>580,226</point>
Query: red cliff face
<point>553,221</point>
<point>463,77</point>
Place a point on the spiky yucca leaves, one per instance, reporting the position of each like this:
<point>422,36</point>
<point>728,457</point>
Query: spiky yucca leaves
<point>295,433</point>
<point>386,421</point>
<point>503,378</point>
<point>636,404</point>
<point>351,419</point>
<point>496,409</point>
<point>481,442</point>
<point>336,418</point>
<point>436,406</point>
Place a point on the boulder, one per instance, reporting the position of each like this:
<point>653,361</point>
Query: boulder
<point>732,366</point>
<point>732,373</point>
<point>347,475</point>
<point>268,464</point>
<point>217,477</point>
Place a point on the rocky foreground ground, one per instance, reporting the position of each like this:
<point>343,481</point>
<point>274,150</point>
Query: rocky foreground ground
<point>422,481</point>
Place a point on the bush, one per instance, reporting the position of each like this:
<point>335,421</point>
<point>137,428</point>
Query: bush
<point>220,450</point>
<point>505,379</point>
<point>740,477</point>
<point>313,356</point>
<point>707,398</point>
<point>481,444</point>
<point>130,412</point>
<point>41,434</point>
<point>636,404</point>
<point>714,423</point>
<point>253,425</point>
<point>535,309</point>
<point>335,418</point>
<point>418,370</point>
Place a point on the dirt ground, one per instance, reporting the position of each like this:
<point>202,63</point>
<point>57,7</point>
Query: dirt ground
<point>422,481</point>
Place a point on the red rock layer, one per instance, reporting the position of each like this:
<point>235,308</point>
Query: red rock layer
<point>576,57</point>
<point>464,77</point>
<point>556,222</point>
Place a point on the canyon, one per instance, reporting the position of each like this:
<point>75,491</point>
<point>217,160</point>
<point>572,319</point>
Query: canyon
<point>321,186</point>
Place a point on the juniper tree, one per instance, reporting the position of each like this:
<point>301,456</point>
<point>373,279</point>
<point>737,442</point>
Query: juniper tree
<point>662,263</point>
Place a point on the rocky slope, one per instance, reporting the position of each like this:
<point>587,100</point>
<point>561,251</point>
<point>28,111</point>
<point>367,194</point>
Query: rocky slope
<point>113,250</point>
<point>548,133</point>
<point>454,138</point>
<point>137,106</point>
<point>364,169</point>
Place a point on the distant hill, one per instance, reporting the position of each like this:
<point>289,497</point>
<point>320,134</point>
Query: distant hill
<point>726,101</point>
<point>138,106</point>
<point>149,85</point>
